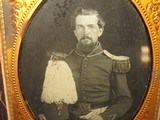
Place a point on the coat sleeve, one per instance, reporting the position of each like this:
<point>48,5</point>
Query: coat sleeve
<point>122,95</point>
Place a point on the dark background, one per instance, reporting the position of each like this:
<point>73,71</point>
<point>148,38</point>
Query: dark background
<point>3,111</point>
<point>49,30</point>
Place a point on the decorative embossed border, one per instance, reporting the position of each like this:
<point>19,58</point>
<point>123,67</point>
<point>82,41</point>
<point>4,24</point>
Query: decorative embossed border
<point>150,16</point>
<point>17,13</point>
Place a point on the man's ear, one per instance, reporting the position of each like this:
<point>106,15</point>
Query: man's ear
<point>100,31</point>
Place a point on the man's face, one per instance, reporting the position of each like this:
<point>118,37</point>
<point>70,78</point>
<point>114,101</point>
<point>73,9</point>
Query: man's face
<point>87,30</point>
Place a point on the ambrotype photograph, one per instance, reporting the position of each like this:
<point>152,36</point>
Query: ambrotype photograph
<point>85,60</point>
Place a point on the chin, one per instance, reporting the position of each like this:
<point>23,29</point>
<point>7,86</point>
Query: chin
<point>86,42</point>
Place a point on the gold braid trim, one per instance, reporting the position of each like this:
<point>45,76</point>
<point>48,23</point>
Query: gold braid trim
<point>121,64</point>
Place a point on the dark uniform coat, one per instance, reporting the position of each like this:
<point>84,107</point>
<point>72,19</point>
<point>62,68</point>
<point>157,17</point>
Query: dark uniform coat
<point>100,79</point>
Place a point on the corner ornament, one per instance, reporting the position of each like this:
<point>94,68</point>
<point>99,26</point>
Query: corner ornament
<point>153,8</point>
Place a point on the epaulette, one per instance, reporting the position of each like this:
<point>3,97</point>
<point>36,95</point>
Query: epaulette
<point>57,56</point>
<point>121,64</point>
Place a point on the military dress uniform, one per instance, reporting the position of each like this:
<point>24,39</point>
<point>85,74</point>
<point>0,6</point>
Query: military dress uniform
<point>100,79</point>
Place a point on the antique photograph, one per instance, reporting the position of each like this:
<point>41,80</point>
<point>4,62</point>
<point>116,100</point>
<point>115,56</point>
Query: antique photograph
<point>85,60</point>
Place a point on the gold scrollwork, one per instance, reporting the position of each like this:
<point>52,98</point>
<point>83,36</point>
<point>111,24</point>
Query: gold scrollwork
<point>20,12</point>
<point>18,7</point>
<point>153,8</point>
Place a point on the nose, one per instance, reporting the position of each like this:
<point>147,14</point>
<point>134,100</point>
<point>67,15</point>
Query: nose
<point>86,30</point>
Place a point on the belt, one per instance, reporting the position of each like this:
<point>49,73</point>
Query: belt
<point>84,106</point>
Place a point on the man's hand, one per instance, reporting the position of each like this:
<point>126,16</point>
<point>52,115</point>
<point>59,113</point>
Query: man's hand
<point>94,114</point>
<point>96,117</point>
<point>42,117</point>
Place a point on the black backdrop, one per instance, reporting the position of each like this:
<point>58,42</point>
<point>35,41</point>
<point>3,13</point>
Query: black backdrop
<point>3,111</point>
<point>49,30</point>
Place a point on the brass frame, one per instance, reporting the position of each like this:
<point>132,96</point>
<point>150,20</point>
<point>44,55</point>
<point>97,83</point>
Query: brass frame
<point>18,14</point>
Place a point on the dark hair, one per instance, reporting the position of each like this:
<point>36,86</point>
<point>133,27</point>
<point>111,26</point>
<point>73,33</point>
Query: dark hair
<point>87,11</point>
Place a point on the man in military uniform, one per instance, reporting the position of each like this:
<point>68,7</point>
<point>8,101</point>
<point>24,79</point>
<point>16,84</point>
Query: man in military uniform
<point>100,77</point>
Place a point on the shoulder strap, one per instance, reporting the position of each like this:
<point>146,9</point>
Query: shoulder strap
<point>57,56</point>
<point>114,57</point>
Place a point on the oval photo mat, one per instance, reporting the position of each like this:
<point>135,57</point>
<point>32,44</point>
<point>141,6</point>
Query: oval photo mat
<point>49,30</point>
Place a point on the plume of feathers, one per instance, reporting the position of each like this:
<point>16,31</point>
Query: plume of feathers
<point>59,85</point>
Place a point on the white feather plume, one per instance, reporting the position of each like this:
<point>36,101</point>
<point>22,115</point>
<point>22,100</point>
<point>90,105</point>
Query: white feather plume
<point>59,85</point>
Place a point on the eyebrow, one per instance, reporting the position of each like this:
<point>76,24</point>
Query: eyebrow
<point>87,25</point>
<point>79,25</point>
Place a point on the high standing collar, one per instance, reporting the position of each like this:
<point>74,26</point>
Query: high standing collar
<point>96,51</point>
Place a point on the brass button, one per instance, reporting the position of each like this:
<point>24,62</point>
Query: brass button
<point>84,98</point>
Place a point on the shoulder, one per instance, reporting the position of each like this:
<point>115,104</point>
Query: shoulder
<point>70,53</point>
<point>57,56</point>
<point>121,64</point>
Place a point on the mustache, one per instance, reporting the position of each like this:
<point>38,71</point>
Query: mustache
<point>86,37</point>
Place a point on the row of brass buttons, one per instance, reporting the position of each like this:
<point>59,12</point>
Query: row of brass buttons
<point>83,78</point>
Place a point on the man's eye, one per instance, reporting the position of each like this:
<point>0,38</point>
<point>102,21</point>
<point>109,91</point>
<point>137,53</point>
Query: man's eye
<point>91,26</point>
<point>78,27</point>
